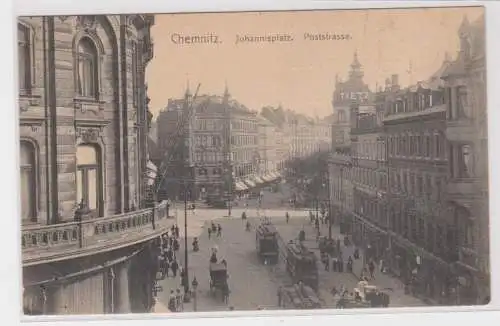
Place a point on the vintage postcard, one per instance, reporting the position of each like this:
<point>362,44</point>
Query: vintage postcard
<point>197,162</point>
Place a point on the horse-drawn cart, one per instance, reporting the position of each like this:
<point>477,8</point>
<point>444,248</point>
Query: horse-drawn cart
<point>218,280</point>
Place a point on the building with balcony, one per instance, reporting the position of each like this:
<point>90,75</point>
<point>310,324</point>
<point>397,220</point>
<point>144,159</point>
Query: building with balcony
<point>467,187</point>
<point>88,231</point>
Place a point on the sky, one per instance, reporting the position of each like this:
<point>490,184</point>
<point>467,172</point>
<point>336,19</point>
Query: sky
<point>299,75</point>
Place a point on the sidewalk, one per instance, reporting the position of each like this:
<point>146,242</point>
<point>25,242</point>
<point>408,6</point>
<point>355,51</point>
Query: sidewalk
<point>328,279</point>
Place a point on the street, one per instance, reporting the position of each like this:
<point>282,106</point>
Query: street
<point>252,284</point>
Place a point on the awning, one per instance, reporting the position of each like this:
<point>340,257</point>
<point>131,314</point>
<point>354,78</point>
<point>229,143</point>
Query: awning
<point>240,186</point>
<point>258,179</point>
<point>267,178</point>
<point>250,183</point>
<point>273,175</point>
<point>151,172</point>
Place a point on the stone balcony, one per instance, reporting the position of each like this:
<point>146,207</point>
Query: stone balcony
<point>51,243</point>
<point>464,189</point>
<point>462,130</point>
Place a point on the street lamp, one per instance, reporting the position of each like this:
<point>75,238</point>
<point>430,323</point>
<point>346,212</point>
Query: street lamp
<point>194,284</point>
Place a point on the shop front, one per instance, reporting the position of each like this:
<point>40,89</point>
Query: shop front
<point>425,275</point>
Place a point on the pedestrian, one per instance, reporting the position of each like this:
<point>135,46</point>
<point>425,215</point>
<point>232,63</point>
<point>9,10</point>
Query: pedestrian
<point>371,268</point>
<point>171,240</point>
<point>172,229</point>
<point>335,264</point>
<point>219,230</point>
<point>326,261</point>
<point>280,296</point>
<point>179,300</point>
<point>356,253</point>
<point>349,264</point>
<point>172,302</point>
<point>177,232</point>
<point>209,233</point>
<point>167,267</point>
<point>176,245</point>
<point>174,266</point>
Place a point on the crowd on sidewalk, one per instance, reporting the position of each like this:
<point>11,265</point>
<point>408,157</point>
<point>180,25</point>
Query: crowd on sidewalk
<point>170,267</point>
<point>348,259</point>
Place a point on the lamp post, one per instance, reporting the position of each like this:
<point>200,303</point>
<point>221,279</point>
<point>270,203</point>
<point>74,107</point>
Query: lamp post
<point>186,264</point>
<point>194,284</point>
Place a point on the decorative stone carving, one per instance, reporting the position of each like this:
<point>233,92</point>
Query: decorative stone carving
<point>63,18</point>
<point>89,134</point>
<point>87,23</point>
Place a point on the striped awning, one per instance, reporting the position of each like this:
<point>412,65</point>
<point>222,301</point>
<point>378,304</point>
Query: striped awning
<point>250,183</point>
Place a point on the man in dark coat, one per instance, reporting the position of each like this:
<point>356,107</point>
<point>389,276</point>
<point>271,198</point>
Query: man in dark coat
<point>174,266</point>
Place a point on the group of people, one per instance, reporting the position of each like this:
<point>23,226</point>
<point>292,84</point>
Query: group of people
<point>168,253</point>
<point>337,259</point>
<point>214,229</point>
<point>176,301</point>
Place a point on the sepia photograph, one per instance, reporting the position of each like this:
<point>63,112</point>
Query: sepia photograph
<point>244,161</point>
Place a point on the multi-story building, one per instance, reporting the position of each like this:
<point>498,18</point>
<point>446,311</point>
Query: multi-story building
<point>86,231</point>
<point>467,152</point>
<point>369,177</point>
<point>349,94</point>
<point>220,148</point>
<point>323,133</point>
<point>422,238</point>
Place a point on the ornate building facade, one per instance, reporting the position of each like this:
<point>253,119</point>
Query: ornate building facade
<point>412,186</point>
<point>467,135</point>
<point>84,158</point>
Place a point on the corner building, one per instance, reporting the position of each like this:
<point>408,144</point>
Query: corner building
<point>467,188</point>
<point>84,157</point>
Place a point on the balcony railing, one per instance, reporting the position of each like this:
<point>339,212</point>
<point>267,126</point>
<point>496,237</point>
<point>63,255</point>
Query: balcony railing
<point>48,243</point>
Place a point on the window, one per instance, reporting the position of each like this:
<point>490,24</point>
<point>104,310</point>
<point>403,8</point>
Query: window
<point>437,144</point>
<point>28,182</point>
<point>88,178</point>
<point>341,116</point>
<point>462,105</point>
<point>24,53</point>
<point>87,68</point>
<point>465,162</point>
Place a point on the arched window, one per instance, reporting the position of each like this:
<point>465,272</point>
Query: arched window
<point>87,74</point>
<point>28,182</point>
<point>88,190</point>
<point>24,53</point>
